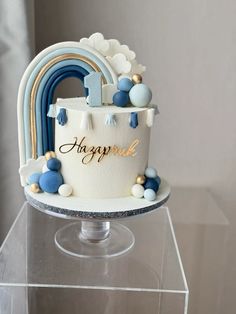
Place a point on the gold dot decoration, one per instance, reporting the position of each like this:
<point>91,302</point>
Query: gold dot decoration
<point>137,78</point>
<point>35,188</point>
<point>140,179</point>
<point>50,155</point>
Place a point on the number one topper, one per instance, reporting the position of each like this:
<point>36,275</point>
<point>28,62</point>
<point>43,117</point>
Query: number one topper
<point>93,82</point>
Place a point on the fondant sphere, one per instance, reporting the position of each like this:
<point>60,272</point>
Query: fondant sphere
<point>137,78</point>
<point>150,195</point>
<point>121,99</point>
<point>140,95</point>
<point>125,84</point>
<point>34,178</point>
<point>65,190</point>
<point>54,164</point>
<point>45,168</point>
<point>137,190</point>
<point>140,179</point>
<point>151,184</point>
<point>35,188</point>
<point>150,172</point>
<point>50,181</point>
<point>50,154</point>
<point>158,179</point>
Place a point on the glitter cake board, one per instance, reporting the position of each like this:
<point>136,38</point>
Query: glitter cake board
<point>75,207</point>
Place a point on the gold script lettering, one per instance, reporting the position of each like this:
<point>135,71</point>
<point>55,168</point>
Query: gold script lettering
<point>91,151</point>
<point>115,150</point>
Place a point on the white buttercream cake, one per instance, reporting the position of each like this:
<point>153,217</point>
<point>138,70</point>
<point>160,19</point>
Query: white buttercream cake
<point>104,160</point>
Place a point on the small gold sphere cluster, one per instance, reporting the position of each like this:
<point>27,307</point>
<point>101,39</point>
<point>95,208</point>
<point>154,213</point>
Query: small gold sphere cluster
<point>137,79</point>
<point>50,155</point>
<point>140,179</point>
<point>34,187</point>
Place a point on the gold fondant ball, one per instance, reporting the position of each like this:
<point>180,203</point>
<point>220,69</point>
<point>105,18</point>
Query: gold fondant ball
<point>137,78</point>
<point>35,188</point>
<point>140,179</point>
<point>50,155</point>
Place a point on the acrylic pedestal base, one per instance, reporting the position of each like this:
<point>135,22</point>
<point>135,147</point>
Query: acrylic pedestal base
<point>94,235</point>
<point>87,239</point>
<point>36,277</point>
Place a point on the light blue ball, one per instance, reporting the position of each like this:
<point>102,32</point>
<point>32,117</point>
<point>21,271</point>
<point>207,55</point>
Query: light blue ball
<point>50,181</point>
<point>54,164</point>
<point>34,178</point>
<point>121,99</point>
<point>140,95</point>
<point>125,84</point>
<point>150,195</point>
<point>150,172</point>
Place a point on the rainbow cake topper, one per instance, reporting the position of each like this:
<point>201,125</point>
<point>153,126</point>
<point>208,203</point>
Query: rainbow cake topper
<point>45,72</point>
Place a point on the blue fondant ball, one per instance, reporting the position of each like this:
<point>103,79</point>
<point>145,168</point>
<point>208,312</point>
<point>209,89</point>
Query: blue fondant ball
<point>140,95</point>
<point>151,184</point>
<point>150,195</point>
<point>150,172</point>
<point>50,181</point>
<point>158,179</point>
<point>125,84</point>
<point>54,164</point>
<point>121,99</point>
<point>34,178</point>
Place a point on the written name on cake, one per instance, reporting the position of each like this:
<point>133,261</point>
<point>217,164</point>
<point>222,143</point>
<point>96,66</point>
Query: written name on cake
<point>97,152</point>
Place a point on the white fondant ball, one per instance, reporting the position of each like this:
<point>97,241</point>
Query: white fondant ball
<point>150,195</point>
<point>45,168</point>
<point>150,172</point>
<point>65,190</point>
<point>137,190</point>
<point>140,95</point>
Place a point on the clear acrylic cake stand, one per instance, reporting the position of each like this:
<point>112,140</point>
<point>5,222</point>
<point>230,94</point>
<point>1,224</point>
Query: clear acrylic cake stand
<point>95,232</point>
<point>36,277</point>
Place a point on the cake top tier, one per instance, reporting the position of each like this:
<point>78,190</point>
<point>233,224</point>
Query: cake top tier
<point>80,104</point>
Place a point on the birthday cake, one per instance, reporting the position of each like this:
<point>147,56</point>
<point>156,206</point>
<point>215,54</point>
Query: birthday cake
<point>94,146</point>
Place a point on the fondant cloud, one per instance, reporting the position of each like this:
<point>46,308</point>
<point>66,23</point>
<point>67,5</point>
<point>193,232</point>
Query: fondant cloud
<point>98,42</point>
<point>119,63</point>
<point>121,58</point>
<point>31,166</point>
<point>116,47</point>
<point>136,68</point>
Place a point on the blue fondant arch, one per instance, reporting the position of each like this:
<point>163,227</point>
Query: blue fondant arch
<point>44,97</point>
<point>47,99</point>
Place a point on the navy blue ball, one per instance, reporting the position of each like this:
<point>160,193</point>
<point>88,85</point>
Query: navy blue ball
<point>50,181</point>
<point>151,184</point>
<point>54,164</point>
<point>158,179</point>
<point>121,99</point>
<point>125,84</point>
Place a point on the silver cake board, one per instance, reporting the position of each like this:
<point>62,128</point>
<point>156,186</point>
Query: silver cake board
<point>99,209</point>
